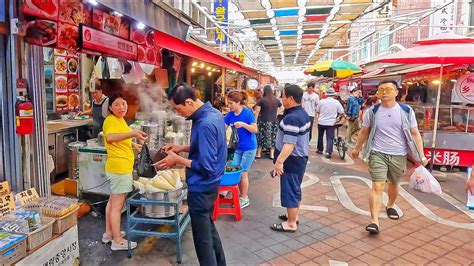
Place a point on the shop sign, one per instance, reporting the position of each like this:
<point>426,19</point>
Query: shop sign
<point>221,14</point>
<point>62,250</point>
<point>27,196</point>
<point>103,42</point>
<point>451,157</point>
<point>252,84</point>
<point>444,19</point>
<point>7,204</point>
<point>464,88</point>
<point>385,11</point>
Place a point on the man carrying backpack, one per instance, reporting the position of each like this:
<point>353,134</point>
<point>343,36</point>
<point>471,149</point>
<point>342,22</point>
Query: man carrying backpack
<point>390,132</point>
<point>354,102</point>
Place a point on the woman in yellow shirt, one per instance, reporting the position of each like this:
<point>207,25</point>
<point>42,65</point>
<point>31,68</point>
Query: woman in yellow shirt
<point>118,168</point>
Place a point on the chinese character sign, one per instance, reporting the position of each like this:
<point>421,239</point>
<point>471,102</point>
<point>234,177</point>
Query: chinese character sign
<point>464,88</point>
<point>221,13</point>
<point>444,19</point>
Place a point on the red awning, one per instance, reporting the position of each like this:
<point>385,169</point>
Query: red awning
<point>198,50</point>
<point>372,74</point>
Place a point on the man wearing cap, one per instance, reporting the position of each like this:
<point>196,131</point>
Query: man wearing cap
<point>328,109</point>
<point>354,102</point>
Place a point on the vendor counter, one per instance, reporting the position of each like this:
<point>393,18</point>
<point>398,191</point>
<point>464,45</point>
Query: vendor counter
<point>60,134</point>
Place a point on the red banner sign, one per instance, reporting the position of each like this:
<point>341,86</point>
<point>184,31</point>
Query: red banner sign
<point>103,42</point>
<point>451,157</point>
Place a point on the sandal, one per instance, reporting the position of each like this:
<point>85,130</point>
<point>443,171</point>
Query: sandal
<point>392,213</point>
<point>258,157</point>
<point>279,228</point>
<point>285,218</point>
<point>372,228</point>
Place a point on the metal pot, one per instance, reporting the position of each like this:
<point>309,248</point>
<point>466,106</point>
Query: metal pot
<point>100,139</point>
<point>152,130</point>
<point>161,211</point>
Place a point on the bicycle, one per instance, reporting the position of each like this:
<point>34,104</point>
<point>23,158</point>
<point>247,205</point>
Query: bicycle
<point>340,142</point>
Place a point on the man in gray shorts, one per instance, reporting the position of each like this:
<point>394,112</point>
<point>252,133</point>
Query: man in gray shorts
<point>389,132</point>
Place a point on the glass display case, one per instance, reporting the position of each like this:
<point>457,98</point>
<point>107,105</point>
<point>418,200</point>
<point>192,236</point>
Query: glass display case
<point>452,118</point>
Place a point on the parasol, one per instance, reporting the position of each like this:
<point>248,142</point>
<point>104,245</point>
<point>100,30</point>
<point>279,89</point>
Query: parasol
<point>442,49</point>
<point>333,69</point>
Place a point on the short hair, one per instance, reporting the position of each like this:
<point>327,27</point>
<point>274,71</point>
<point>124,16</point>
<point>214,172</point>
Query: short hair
<point>237,97</point>
<point>97,86</point>
<point>181,92</point>
<point>389,81</point>
<point>286,85</point>
<point>294,91</point>
<point>310,84</point>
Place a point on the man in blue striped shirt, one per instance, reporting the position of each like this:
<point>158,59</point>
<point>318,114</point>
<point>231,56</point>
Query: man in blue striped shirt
<point>291,156</point>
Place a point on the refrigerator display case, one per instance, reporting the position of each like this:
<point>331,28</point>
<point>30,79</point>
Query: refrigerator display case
<point>455,136</point>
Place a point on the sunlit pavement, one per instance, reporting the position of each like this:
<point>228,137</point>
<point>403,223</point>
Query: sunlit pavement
<point>432,229</point>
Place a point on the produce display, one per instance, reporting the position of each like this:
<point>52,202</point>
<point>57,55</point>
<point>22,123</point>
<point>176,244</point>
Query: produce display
<point>21,222</point>
<point>229,168</point>
<point>162,182</point>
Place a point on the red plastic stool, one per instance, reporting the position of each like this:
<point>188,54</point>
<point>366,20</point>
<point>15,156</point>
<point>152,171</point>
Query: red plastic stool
<point>235,210</point>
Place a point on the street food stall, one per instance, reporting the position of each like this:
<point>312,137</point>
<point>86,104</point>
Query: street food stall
<point>455,137</point>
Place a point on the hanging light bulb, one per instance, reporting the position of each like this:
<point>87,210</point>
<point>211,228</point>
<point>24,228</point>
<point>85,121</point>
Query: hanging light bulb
<point>270,13</point>
<point>301,3</point>
<point>209,73</point>
<point>193,70</point>
<point>202,65</point>
<point>194,63</point>
<point>302,12</point>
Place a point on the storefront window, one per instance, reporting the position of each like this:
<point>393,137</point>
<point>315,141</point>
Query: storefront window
<point>384,43</point>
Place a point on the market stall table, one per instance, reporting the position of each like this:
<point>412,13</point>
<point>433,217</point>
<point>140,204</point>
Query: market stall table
<point>179,222</point>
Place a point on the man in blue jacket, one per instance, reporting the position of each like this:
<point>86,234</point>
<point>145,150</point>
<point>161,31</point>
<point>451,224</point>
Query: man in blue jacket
<point>204,168</point>
<point>353,109</point>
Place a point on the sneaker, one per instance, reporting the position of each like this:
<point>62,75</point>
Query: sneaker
<point>123,245</point>
<point>327,155</point>
<point>319,152</point>
<point>106,238</point>
<point>244,203</point>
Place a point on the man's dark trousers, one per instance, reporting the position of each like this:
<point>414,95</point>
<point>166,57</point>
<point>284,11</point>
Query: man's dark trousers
<point>311,129</point>
<point>206,239</point>
<point>329,138</point>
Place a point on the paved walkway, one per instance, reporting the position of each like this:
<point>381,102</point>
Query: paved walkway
<point>433,230</point>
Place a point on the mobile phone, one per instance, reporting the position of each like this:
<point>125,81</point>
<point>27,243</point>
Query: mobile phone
<point>160,155</point>
<point>272,174</point>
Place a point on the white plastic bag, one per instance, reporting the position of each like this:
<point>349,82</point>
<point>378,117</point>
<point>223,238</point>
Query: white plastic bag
<point>423,181</point>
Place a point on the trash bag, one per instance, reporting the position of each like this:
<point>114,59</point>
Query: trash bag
<point>234,139</point>
<point>423,181</point>
<point>144,165</point>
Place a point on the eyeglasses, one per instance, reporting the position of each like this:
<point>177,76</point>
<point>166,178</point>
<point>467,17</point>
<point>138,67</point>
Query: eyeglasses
<point>385,90</point>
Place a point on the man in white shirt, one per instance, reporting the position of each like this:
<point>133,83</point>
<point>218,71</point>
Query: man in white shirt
<point>328,109</point>
<point>309,104</point>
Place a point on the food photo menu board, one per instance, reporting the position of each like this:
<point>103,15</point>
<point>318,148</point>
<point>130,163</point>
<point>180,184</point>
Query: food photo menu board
<point>75,26</point>
<point>66,81</point>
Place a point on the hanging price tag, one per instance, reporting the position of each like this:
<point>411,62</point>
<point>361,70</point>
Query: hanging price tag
<point>27,196</point>
<point>7,204</point>
<point>4,187</point>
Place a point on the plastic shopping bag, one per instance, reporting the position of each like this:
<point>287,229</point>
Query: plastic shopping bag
<point>423,181</point>
<point>144,164</point>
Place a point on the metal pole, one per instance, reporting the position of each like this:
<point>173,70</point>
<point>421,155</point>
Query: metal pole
<point>435,129</point>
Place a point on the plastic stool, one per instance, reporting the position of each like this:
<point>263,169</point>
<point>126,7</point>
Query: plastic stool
<point>234,210</point>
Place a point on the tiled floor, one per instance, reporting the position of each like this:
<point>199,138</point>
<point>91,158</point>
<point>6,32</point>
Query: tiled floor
<point>337,235</point>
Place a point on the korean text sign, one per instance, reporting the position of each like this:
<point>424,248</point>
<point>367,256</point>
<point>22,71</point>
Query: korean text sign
<point>221,13</point>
